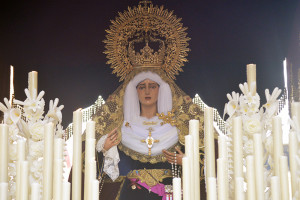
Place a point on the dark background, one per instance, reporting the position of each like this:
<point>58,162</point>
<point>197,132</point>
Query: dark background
<point>63,42</point>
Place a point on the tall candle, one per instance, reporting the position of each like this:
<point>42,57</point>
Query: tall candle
<point>35,191</point>
<point>222,178</point>
<point>296,111</point>
<point>57,179</point>
<point>277,142</point>
<point>275,188</point>
<point>21,157</point>
<point>48,161</point>
<point>284,182</point>
<point>239,193</point>
<point>89,157</point>
<point>259,166</point>
<point>222,146</point>
<point>251,76</point>
<point>3,191</point>
<point>24,180</point>
<point>251,193</point>
<point>194,131</point>
<point>3,152</point>
<point>90,175</point>
<point>176,188</point>
<point>95,189</point>
<point>237,147</point>
<point>186,178</point>
<point>66,187</point>
<point>189,152</point>
<point>90,130</point>
<point>211,188</point>
<point>58,148</point>
<point>11,85</point>
<point>33,83</point>
<point>77,151</point>
<point>293,146</point>
<point>209,143</point>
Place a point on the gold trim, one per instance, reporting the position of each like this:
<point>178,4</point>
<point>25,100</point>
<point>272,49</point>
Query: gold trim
<point>145,158</point>
<point>120,189</point>
<point>150,176</point>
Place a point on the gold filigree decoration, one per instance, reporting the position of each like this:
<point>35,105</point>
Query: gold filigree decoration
<point>150,176</point>
<point>145,158</point>
<point>147,24</point>
<point>167,119</point>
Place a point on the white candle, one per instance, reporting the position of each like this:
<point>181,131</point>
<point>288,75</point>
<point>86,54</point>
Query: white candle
<point>176,188</point>
<point>3,191</point>
<point>58,148</point>
<point>90,130</point>
<point>222,179</point>
<point>296,111</point>
<point>275,188</point>
<point>284,182</point>
<point>66,187</point>
<point>209,143</point>
<point>239,193</point>
<point>194,131</point>
<point>189,152</point>
<point>89,156</point>
<point>222,146</point>
<point>11,85</point>
<point>237,147</point>
<point>186,178</point>
<point>57,168</point>
<point>251,193</point>
<point>293,146</point>
<point>277,142</point>
<point>251,76</point>
<point>95,190</point>
<point>211,188</point>
<point>77,151</point>
<point>24,180</point>
<point>259,166</point>
<point>21,157</point>
<point>35,191</point>
<point>57,179</point>
<point>32,83</point>
<point>3,152</point>
<point>223,153</point>
<point>48,161</point>
<point>90,149</point>
<point>90,175</point>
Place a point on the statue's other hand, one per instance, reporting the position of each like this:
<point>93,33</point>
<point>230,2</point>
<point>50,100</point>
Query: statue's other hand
<point>111,140</point>
<point>171,156</point>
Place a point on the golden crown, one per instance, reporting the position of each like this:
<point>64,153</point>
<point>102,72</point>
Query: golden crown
<point>146,36</point>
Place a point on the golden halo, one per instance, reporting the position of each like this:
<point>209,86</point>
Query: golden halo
<point>147,20</point>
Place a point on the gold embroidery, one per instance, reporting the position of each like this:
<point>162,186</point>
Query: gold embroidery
<point>144,158</point>
<point>167,119</point>
<point>149,123</point>
<point>149,141</point>
<point>150,176</point>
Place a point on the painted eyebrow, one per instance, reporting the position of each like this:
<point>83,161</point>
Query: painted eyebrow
<point>142,84</point>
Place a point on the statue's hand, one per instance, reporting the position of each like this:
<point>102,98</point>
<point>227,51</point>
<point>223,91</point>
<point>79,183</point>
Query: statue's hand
<point>111,140</point>
<point>171,156</point>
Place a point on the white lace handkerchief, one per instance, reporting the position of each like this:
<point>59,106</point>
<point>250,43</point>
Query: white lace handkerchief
<point>111,159</point>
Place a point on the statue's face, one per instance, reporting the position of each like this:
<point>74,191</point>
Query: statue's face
<point>148,92</point>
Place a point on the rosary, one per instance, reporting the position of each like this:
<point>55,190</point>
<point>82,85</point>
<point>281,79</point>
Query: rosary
<point>175,174</point>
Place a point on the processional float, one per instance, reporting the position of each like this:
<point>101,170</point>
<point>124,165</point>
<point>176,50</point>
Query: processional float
<point>251,163</point>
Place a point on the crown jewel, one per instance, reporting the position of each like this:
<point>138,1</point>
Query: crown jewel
<point>146,36</point>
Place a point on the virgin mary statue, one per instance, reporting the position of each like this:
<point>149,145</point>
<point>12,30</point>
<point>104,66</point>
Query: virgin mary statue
<point>140,129</point>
